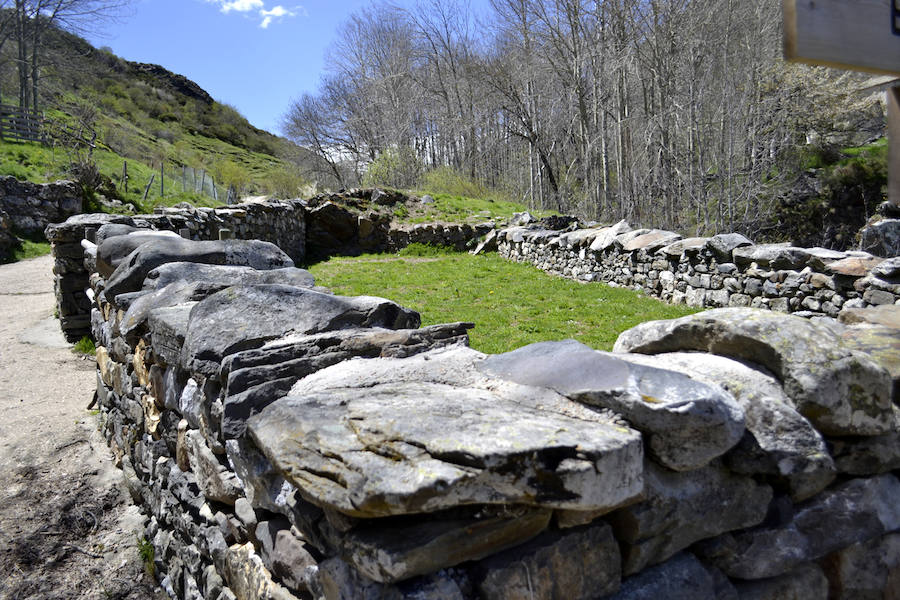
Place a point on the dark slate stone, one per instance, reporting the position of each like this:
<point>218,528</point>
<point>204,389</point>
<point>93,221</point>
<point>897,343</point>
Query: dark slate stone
<point>130,274</point>
<point>225,275</point>
<point>245,317</point>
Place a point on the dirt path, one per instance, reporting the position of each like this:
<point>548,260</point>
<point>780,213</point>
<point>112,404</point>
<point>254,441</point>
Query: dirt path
<point>67,528</point>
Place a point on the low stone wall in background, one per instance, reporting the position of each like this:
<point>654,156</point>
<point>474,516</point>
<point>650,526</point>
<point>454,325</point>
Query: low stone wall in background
<point>32,206</point>
<point>724,270</point>
<point>288,443</point>
<point>324,230</point>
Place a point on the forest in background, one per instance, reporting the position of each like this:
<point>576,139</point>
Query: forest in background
<point>671,113</point>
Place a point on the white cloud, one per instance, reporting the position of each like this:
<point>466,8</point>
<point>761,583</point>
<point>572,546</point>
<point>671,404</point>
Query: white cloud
<point>277,12</point>
<point>268,16</point>
<point>239,5</point>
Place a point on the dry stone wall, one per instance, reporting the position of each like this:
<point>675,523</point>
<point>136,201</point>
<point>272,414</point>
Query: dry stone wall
<point>724,270</point>
<point>32,206</point>
<point>322,230</point>
<point>289,443</point>
<point>280,222</point>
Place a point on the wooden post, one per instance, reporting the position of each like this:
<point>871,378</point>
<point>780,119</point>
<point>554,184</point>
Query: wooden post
<point>893,102</point>
<point>147,189</point>
<point>162,178</point>
<point>125,176</point>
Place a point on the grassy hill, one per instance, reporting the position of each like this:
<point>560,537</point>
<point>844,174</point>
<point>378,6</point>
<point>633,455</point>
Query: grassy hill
<point>161,123</point>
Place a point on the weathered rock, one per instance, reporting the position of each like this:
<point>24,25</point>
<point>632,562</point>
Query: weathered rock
<point>130,274</point>
<point>854,266</point>
<point>286,556</point>
<point>248,578</point>
<point>263,485</point>
<point>687,423</point>
<point>681,508</point>
<point>487,244</point>
<point>884,315</point>
<point>779,442</point>
<point>840,391</point>
<point>578,565</point>
<point>216,481</point>
<point>114,249</point>
<point>819,257</point>
<point>398,552</point>
<point>881,238</point>
<point>607,237</point>
<point>176,293</point>
<point>651,241</point>
<point>870,455</point>
<point>723,245</point>
<point>775,256</point>
<point>225,275</point>
<point>256,378</point>
<point>855,511</point>
<point>245,317</point>
<point>865,571</point>
<point>689,245</point>
<point>881,344</point>
<point>806,582</point>
<point>168,327</point>
<point>680,578</point>
<point>340,581</point>
<point>361,454</point>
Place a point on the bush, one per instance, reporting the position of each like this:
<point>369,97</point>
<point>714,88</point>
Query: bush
<point>395,167</point>
<point>447,180</point>
<point>284,183</point>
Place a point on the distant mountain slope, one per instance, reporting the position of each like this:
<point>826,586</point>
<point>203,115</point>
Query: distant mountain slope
<point>162,123</point>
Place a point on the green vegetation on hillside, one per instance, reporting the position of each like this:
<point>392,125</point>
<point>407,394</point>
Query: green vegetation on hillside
<point>153,119</point>
<point>512,304</point>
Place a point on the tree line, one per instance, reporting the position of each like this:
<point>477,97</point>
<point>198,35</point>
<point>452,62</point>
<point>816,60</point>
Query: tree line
<point>673,113</point>
<point>24,27</point>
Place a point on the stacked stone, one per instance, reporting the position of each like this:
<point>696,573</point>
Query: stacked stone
<point>288,443</point>
<point>724,270</point>
<point>279,222</point>
<point>32,206</point>
<point>454,235</point>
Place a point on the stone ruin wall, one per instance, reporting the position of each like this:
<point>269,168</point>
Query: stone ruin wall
<point>27,208</point>
<point>288,443</point>
<point>724,270</point>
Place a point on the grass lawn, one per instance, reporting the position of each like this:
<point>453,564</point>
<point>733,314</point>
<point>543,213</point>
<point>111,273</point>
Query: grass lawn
<point>511,304</point>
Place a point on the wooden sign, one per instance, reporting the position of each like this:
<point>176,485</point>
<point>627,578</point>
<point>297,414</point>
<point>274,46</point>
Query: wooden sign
<point>859,35</point>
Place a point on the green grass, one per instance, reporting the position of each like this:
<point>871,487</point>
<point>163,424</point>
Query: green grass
<point>511,304</point>
<point>85,346</point>
<point>464,209</point>
<point>31,249</point>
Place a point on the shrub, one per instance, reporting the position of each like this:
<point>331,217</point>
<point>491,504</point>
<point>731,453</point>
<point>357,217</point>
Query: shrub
<point>395,167</point>
<point>447,180</point>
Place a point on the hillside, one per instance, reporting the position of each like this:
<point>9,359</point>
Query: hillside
<point>150,118</point>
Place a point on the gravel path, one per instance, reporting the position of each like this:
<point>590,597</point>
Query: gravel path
<point>67,527</point>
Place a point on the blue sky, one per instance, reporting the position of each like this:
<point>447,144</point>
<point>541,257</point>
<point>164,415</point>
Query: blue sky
<point>256,55</point>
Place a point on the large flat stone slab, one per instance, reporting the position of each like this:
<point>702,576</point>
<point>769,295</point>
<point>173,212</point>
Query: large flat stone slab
<point>130,273</point>
<point>245,317</point>
<point>225,275</point>
<point>687,423</point>
<point>840,391</point>
<point>412,447</point>
<point>256,378</point>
